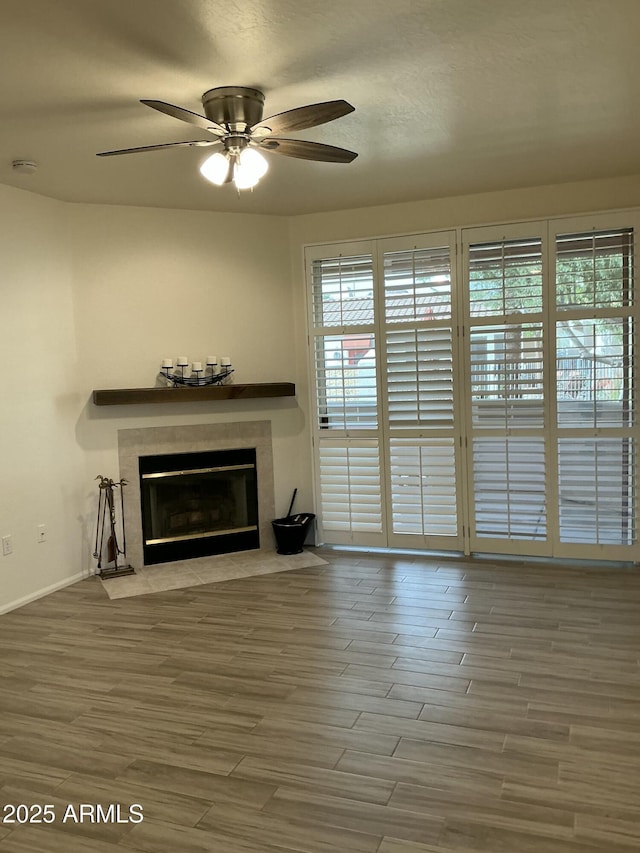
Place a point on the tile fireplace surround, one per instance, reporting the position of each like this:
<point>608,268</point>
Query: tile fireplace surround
<point>155,441</point>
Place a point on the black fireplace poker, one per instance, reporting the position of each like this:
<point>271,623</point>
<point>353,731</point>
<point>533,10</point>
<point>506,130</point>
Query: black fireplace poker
<point>293,497</point>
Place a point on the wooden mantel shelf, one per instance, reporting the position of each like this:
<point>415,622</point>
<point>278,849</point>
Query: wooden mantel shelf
<point>187,394</point>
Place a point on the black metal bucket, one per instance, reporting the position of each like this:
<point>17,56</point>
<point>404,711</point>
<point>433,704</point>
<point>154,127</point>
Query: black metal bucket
<point>291,531</point>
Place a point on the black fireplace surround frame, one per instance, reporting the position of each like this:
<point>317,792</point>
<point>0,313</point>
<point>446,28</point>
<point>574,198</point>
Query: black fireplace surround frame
<point>225,543</point>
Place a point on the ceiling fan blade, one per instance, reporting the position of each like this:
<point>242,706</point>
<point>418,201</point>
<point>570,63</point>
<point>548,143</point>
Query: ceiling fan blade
<point>303,117</point>
<point>196,143</point>
<point>308,150</point>
<point>186,115</point>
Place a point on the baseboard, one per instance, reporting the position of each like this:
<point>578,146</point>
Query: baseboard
<point>34,596</point>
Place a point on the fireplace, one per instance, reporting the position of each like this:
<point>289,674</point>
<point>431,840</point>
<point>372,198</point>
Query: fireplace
<point>198,504</point>
<point>219,525</point>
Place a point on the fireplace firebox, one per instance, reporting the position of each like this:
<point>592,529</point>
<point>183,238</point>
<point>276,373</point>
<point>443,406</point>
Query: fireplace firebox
<point>198,504</point>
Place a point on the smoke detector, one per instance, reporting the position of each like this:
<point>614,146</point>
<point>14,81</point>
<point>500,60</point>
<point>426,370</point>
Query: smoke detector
<point>24,167</point>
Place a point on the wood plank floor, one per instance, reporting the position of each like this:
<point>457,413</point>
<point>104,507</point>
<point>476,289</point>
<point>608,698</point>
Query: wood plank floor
<point>372,705</point>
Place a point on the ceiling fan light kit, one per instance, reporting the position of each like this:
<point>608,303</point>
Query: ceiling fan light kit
<point>233,116</point>
<point>243,166</point>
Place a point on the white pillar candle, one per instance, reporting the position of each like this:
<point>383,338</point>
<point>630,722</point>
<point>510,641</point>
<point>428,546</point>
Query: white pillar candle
<point>167,362</point>
<point>225,361</point>
<point>183,361</point>
<point>212,359</point>
<point>196,366</point>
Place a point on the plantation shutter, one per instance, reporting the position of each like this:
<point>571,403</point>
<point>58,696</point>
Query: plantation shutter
<point>344,342</point>
<point>492,411</point>
<point>509,488</point>
<point>596,419</point>
<point>350,488</point>
<point>420,378</point>
<point>506,401</point>
<point>347,420</point>
<point>596,479</point>
<point>420,351</point>
<point>423,487</point>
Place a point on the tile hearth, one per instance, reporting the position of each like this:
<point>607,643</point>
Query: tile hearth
<point>167,576</point>
<point>158,441</point>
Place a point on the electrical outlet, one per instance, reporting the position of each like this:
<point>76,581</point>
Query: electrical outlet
<point>7,545</point>
<point>42,533</point>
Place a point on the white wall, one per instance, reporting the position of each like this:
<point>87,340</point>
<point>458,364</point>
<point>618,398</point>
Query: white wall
<point>468,210</point>
<point>42,468</point>
<point>94,297</point>
<point>150,284</point>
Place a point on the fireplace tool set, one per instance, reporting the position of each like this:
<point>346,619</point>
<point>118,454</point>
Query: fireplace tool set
<point>108,547</point>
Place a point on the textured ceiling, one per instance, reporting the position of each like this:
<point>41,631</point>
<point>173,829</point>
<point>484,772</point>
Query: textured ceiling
<point>451,96</point>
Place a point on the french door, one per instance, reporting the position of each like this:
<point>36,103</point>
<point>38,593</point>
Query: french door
<point>505,342</point>
<point>482,405</point>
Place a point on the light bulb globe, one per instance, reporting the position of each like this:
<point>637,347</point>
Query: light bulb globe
<point>215,168</point>
<point>251,166</point>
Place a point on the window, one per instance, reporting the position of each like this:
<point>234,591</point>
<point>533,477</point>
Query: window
<point>482,406</point>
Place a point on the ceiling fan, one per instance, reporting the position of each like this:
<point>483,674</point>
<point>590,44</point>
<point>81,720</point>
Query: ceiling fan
<point>233,116</point>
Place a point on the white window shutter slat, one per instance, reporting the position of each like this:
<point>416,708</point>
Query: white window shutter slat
<point>423,487</point>
<point>350,485</point>
<point>420,378</point>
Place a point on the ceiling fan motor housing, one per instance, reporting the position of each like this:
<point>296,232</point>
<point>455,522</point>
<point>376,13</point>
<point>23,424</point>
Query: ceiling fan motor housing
<point>234,106</point>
